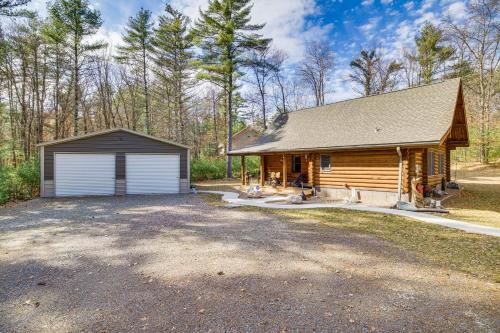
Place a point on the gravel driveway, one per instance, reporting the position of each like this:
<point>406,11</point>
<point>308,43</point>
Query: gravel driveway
<point>173,263</point>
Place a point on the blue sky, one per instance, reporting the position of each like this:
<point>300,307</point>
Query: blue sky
<point>347,25</point>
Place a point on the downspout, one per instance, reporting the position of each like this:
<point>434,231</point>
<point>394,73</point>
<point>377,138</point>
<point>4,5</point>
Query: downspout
<point>400,173</point>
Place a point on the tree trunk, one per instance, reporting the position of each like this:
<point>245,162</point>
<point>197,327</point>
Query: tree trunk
<point>56,102</point>
<point>214,111</point>
<point>76,91</point>
<point>147,123</point>
<point>229,167</point>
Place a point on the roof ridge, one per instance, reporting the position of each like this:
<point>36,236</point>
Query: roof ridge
<point>108,131</point>
<point>376,95</point>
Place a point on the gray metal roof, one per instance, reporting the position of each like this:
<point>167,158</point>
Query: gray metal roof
<point>89,135</point>
<point>418,115</point>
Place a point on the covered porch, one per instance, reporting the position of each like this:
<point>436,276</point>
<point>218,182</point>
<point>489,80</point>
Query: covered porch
<point>282,171</point>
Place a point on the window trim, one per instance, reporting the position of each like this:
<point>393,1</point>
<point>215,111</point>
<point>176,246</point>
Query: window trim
<point>325,169</point>
<point>431,164</point>
<point>441,164</point>
<point>294,170</point>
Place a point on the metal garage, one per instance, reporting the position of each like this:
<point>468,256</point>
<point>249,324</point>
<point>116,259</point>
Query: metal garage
<point>113,162</point>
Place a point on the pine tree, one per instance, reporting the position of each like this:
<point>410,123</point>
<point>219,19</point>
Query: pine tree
<point>76,17</point>
<point>225,36</point>
<point>55,35</point>
<point>137,38</point>
<point>173,44</point>
<point>431,53</point>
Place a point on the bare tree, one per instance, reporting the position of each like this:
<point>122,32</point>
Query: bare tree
<point>261,69</point>
<point>480,34</point>
<point>364,71</point>
<point>277,60</point>
<point>388,75</point>
<point>411,68</point>
<point>316,67</point>
<point>373,74</point>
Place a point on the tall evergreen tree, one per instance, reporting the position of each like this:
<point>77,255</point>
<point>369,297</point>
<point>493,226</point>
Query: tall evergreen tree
<point>76,17</point>
<point>225,36</point>
<point>173,44</point>
<point>55,35</point>
<point>137,38</point>
<point>431,51</point>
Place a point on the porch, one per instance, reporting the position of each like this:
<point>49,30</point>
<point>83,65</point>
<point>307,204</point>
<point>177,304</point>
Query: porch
<point>287,173</point>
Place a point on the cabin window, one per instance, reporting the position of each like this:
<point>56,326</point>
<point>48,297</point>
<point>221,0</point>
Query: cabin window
<point>296,164</point>
<point>430,163</point>
<point>325,162</point>
<point>441,164</point>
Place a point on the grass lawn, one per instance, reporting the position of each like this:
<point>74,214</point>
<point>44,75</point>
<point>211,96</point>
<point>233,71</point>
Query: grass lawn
<point>475,254</point>
<point>479,202</point>
<point>229,185</point>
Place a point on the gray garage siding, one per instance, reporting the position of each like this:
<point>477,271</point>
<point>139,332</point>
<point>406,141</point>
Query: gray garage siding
<point>119,142</point>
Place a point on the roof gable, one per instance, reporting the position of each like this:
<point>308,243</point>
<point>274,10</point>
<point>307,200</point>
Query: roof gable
<point>411,116</point>
<point>113,130</point>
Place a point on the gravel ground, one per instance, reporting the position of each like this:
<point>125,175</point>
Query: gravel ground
<point>173,263</point>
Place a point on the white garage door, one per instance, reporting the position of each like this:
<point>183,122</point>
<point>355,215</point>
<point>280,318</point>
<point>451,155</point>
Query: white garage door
<point>152,173</point>
<point>84,174</point>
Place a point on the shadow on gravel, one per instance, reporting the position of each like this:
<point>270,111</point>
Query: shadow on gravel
<point>173,263</point>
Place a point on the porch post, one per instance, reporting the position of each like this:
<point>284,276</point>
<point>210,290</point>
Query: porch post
<point>243,170</point>
<point>448,164</point>
<point>262,171</point>
<point>310,169</point>
<point>285,180</point>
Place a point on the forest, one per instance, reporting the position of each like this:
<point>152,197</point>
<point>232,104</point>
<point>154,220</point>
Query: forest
<point>198,82</point>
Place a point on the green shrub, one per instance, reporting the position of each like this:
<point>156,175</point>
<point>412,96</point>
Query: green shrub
<point>19,183</point>
<point>215,168</point>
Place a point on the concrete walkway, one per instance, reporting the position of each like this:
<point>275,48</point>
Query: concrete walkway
<point>267,202</point>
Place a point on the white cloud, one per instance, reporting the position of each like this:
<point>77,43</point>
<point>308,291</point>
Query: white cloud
<point>426,4</point>
<point>456,11</point>
<point>367,2</point>
<point>427,17</point>
<point>370,29</point>
<point>286,21</point>
<point>409,5</point>
<point>38,6</point>
<point>386,2</point>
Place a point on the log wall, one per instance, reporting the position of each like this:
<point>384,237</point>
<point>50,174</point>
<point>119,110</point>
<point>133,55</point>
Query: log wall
<point>274,163</point>
<point>363,169</point>
<point>369,169</point>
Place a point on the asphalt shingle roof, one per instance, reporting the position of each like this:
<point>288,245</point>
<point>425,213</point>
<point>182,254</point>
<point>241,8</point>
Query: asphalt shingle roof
<point>415,115</point>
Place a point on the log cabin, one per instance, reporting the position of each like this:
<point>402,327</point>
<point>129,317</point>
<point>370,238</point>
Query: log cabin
<point>374,144</point>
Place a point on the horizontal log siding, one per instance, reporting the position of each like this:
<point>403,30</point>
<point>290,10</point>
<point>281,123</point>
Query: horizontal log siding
<point>273,163</point>
<point>370,169</point>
